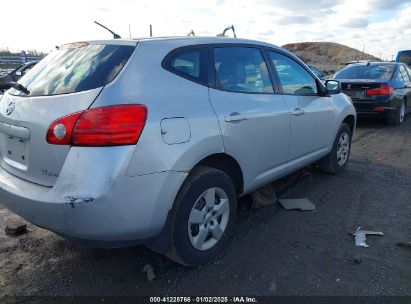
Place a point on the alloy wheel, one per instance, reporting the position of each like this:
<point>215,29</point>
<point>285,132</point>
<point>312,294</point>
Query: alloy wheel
<point>343,149</point>
<point>208,219</point>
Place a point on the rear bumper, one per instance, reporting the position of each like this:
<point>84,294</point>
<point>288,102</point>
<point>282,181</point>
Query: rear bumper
<point>101,207</point>
<point>369,108</point>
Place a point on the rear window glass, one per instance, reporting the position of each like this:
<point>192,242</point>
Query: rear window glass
<point>366,72</point>
<point>75,69</point>
<point>188,63</point>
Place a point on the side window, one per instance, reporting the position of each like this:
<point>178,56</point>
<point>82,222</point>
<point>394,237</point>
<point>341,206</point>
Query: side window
<point>404,74</point>
<point>241,69</point>
<point>409,71</point>
<point>397,76</point>
<point>188,63</point>
<point>294,78</point>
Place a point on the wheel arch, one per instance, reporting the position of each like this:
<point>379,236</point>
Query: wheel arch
<point>228,165</point>
<point>350,121</point>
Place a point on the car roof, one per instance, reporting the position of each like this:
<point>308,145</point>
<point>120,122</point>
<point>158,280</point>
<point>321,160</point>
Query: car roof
<point>372,63</point>
<point>181,41</point>
<point>185,40</point>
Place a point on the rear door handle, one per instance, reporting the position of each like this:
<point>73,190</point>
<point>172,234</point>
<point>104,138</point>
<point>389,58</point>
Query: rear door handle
<point>235,117</point>
<point>297,111</point>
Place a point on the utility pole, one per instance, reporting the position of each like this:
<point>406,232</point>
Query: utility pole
<point>129,29</point>
<point>151,30</point>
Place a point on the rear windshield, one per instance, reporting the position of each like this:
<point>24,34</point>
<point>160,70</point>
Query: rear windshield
<point>75,68</point>
<point>366,72</point>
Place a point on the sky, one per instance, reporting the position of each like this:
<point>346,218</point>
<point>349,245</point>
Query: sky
<point>381,26</point>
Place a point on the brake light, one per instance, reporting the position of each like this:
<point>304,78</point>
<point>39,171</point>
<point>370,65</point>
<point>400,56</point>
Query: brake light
<point>382,90</point>
<point>106,126</point>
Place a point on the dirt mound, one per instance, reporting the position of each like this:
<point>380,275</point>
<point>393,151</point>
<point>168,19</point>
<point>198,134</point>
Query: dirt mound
<point>327,55</point>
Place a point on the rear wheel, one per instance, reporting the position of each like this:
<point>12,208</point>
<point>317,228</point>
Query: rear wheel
<point>337,159</point>
<point>399,114</point>
<point>203,215</point>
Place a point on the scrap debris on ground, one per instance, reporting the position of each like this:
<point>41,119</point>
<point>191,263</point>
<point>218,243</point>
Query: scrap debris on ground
<point>16,227</point>
<point>360,236</point>
<point>149,270</point>
<point>302,204</point>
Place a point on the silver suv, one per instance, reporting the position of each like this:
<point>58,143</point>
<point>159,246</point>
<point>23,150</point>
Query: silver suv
<point>119,142</point>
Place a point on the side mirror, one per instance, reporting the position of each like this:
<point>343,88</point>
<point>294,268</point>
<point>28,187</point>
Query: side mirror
<point>18,73</point>
<point>333,86</point>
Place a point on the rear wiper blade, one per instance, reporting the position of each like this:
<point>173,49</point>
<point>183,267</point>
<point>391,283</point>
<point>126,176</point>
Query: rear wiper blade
<point>18,87</point>
<point>115,36</point>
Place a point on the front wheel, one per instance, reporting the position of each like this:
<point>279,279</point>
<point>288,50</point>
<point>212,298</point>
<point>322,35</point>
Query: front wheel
<point>203,215</point>
<point>337,159</point>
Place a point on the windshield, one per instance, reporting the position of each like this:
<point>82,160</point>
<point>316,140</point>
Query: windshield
<point>75,68</point>
<point>366,72</point>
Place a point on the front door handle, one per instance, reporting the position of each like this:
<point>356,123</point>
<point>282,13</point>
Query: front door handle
<point>297,111</point>
<point>235,117</point>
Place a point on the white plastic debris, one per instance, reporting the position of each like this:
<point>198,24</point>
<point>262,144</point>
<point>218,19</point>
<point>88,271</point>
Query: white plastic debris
<point>299,203</point>
<point>149,270</point>
<point>360,236</point>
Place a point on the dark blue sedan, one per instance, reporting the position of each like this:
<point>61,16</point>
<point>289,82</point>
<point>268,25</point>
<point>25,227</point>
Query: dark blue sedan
<point>381,89</point>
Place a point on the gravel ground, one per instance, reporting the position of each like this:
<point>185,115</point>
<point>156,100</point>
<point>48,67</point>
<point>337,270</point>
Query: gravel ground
<point>271,252</point>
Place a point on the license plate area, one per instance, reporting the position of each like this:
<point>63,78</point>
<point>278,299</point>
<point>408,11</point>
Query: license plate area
<point>16,152</point>
<point>355,94</point>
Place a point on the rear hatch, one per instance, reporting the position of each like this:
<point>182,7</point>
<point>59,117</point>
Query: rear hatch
<point>366,83</point>
<point>66,81</point>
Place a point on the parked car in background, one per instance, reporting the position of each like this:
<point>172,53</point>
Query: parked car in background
<point>404,57</point>
<point>354,62</point>
<point>380,89</point>
<point>118,142</point>
<point>317,72</point>
<point>8,76</point>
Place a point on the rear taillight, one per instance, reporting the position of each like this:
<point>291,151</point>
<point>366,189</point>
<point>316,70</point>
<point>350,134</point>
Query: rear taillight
<point>106,126</point>
<point>60,131</point>
<point>382,90</point>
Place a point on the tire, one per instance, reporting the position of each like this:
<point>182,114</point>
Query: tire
<point>337,159</point>
<point>198,235</point>
<point>399,115</point>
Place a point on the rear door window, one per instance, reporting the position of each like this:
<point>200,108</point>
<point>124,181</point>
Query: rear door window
<point>189,63</point>
<point>241,69</point>
<point>404,74</point>
<point>409,71</point>
<point>75,68</point>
